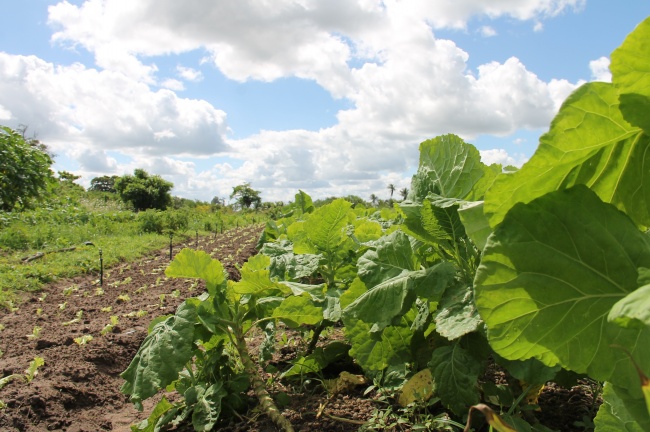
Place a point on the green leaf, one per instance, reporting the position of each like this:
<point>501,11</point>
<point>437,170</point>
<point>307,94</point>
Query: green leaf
<point>324,230</point>
<point>390,348</point>
<point>303,203</point>
<point>613,415</point>
<point>381,304</point>
<point>208,408</point>
<point>633,311</point>
<point>366,230</point>
<point>477,224</point>
<point>162,355</point>
<point>455,375</point>
<point>318,360</point>
<point>550,274</point>
<point>630,68</point>
<point>590,143</point>
<point>456,315</point>
<point>531,371</point>
<point>298,310</point>
<point>316,292</point>
<point>391,255</point>
<point>150,424</point>
<point>448,167</point>
<point>357,287</point>
<point>190,263</point>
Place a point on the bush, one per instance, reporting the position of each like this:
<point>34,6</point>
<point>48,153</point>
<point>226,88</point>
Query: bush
<point>151,221</point>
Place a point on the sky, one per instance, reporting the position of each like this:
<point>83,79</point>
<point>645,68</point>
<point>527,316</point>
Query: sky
<point>332,97</point>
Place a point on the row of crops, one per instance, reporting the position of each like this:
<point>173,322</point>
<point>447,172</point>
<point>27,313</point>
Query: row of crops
<point>544,271</point>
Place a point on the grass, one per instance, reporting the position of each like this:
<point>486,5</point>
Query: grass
<point>90,221</point>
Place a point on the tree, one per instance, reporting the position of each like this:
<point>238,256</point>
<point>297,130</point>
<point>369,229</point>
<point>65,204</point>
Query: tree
<point>24,169</point>
<point>373,199</point>
<point>144,191</point>
<point>404,193</point>
<point>391,188</point>
<point>103,184</point>
<point>246,196</point>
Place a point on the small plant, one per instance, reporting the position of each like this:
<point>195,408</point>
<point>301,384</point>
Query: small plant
<point>36,331</point>
<point>161,304</point>
<point>62,305</point>
<point>99,291</point>
<point>107,309</point>
<point>83,340</point>
<point>108,328</point>
<point>75,320</point>
<point>176,293</point>
<point>69,290</point>
<point>124,298</point>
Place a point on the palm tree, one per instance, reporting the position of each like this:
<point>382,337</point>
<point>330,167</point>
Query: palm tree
<point>373,199</point>
<point>404,193</point>
<point>391,188</point>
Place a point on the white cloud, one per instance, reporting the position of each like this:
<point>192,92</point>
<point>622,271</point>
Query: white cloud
<point>403,84</point>
<point>501,156</point>
<point>189,74</point>
<point>487,31</point>
<point>173,84</point>
<point>600,69</point>
<point>5,114</point>
<point>106,110</point>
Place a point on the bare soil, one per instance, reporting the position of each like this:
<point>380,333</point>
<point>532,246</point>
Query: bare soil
<point>78,387</point>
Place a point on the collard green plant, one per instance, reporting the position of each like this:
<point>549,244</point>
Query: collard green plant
<point>564,277</point>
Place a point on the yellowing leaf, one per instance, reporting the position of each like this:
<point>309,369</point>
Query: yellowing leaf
<point>492,418</point>
<point>419,388</point>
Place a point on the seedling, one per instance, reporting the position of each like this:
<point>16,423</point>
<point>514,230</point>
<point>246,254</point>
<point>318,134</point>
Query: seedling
<point>109,327</point>
<point>83,340</point>
<point>107,309</point>
<point>43,297</point>
<point>161,297</point>
<point>69,290</point>
<point>39,312</point>
<point>62,305</point>
<point>176,293</point>
<point>36,331</point>
<point>99,291</point>
<point>77,318</point>
<point>123,298</point>
<point>2,327</point>
<point>32,370</point>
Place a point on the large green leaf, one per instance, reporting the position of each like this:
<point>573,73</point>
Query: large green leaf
<point>633,311</point>
<point>392,254</point>
<point>613,415</point>
<point>589,143</point>
<point>190,263</point>
<point>477,225</point>
<point>550,274</point>
<point>630,68</point>
<point>455,375</point>
<point>208,408</point>
<point>324,230</point>
<point>298,310</point>
<point>378,351</point>
<point>381,304</point>
<point>162,355</point>
<point>303,203</point>
<point>456,315</point>
<point>448,167</point>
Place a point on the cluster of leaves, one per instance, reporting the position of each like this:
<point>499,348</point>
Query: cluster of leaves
<point>544,270</point>
<point>24,170</point>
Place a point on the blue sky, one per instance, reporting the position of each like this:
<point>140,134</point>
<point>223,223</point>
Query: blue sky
<point>332,97</point>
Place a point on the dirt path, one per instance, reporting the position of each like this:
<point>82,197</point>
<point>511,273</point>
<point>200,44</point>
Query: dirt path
<point>77,389</point>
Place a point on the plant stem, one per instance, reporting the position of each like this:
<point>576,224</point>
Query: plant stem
<point>314,340</point>
<point>266,402</point>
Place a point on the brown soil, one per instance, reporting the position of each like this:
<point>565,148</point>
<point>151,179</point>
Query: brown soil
<point>77,389</point>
